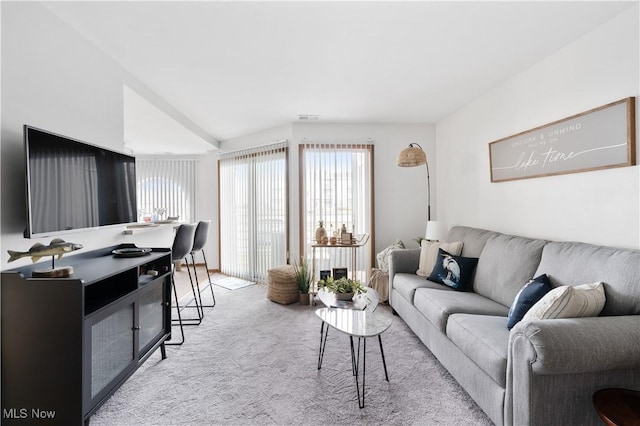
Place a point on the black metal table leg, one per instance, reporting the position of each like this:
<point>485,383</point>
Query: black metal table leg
<point>364,370</point>
<point>324,333</point>
<point>384,363</point>
<point>354,324</point>
<point>353,357</point>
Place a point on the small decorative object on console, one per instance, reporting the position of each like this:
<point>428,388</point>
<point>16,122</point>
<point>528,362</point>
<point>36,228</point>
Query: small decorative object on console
<point>130,250</point>
<point>57,247</point>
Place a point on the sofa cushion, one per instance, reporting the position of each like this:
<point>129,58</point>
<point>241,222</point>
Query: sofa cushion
<point>530,293</point>
<point>569,302</point>
<point>473,239</point>
<point>505,264</point>
<point>406,285</point>
<point>436,305</point>
<point>429,254</point>
<point>578,263</point>
<point>454,271</point>
<point>484,339</point>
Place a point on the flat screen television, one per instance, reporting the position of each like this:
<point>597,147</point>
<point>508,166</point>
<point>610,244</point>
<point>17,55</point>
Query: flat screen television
<point>74,186</point>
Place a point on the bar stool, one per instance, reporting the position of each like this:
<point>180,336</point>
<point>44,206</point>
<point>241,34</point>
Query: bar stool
<point>199,241</point>
<point>182,244</point>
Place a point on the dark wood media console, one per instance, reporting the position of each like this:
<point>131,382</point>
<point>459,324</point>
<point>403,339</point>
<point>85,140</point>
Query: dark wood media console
<point>69,343</point>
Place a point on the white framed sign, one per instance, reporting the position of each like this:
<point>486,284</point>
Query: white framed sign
<point>597,139</point>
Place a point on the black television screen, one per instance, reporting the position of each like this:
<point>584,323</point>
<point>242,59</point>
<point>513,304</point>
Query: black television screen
<point>73,186</point>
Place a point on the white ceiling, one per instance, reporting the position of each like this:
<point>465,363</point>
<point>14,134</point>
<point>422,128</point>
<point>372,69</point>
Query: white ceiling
<point>238,67</point>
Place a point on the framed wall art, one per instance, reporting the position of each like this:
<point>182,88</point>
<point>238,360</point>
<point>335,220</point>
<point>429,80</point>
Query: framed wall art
<point>597,139</point>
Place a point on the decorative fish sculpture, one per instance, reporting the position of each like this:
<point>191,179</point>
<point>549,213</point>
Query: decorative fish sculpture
<point>57,247</point>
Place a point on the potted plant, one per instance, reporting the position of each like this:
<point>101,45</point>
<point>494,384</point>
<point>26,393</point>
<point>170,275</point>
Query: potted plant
<point>303,278</point>
<point>344,288</point>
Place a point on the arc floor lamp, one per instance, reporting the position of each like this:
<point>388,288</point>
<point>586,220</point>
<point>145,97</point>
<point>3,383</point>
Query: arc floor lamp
<point>414,156</point>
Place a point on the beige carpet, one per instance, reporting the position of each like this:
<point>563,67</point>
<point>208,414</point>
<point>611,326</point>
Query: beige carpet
<point>254,362</point>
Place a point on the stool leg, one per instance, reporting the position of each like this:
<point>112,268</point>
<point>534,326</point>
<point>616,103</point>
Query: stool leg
<point>206,266</point>
<point>199,292</point>
<point>193,291</point>
<point>175,293</point>
<point>192,321</point>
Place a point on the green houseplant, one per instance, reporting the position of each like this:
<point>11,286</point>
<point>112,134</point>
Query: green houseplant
<point>344,288</point>
<point>303,278</point>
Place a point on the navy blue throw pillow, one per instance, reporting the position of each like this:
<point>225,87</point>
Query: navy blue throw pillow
<point>453,271</point>
<point>528,295</point>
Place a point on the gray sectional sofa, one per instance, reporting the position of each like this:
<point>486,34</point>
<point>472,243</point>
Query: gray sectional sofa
<point>541,372</point>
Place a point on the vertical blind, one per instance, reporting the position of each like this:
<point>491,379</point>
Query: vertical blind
<point>166,186</point>
<point>336,187</point>
<point>253,211</point>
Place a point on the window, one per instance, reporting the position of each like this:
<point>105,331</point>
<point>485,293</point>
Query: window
<point>166,187</point>
<point>336,187</point>
<point>253,211</point>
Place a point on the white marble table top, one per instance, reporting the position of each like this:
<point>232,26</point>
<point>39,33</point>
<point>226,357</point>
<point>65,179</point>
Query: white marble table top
<point>364,301</point>
<point>354,322</point>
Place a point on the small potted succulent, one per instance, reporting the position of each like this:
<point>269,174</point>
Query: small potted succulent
<point>344,288</point>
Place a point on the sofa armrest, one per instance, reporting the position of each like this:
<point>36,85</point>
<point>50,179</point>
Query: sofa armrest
<point>554,367</point>
<point>402,261</point>
<point>578,345</point>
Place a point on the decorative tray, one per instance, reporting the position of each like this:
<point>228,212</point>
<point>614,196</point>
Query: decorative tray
<point>131,252</point>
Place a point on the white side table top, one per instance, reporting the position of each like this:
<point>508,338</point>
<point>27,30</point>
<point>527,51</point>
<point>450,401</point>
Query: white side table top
<point>354,322</point>
<point>364,301</point>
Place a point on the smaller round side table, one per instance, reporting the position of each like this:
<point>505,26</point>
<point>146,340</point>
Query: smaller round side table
<point>618,407</point>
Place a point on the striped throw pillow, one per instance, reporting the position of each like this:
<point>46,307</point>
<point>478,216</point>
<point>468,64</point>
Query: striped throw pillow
<point>585,300</point>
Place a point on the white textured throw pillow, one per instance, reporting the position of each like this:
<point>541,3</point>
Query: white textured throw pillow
<point>383,256</point>
<point>429,254</point>
<point>585,300</point>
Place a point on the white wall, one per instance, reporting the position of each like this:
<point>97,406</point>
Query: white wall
<point>400,193</point>
<point>600,207</point>
<point>207,205</point>
<point>53,78</point>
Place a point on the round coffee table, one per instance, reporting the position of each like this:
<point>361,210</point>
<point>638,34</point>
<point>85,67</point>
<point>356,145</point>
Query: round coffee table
<point>355,319</point>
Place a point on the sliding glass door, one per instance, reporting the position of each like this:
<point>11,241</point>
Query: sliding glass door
<point>336,188</point>
<point>253,211</point>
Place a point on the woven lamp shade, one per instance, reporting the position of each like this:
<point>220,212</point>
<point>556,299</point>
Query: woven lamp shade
<point>412,156</point>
